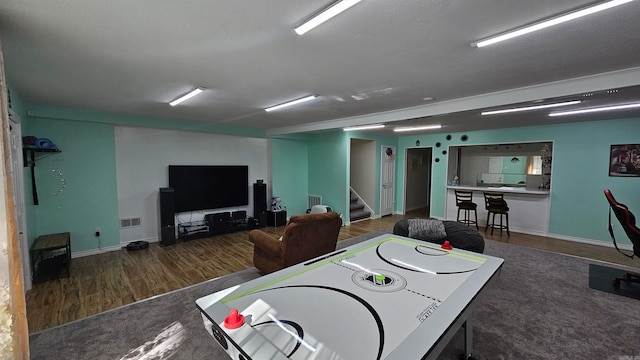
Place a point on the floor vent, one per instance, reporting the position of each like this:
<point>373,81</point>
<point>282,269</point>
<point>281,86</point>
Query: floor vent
<point>130,222</point>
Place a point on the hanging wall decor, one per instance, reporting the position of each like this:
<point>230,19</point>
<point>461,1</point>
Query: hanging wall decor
<point>624,160</point>
<point>389,153</point>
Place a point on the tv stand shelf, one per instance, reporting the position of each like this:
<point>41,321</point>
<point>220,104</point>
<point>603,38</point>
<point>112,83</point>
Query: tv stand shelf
<point>193,230</point>
<point>215,224</point>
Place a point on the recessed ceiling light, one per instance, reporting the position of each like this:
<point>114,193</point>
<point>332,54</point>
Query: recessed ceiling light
<point>187,96</point>
<point>428,98</point>
<point>364,127</point>
<point>290,103</point>
<point>324,15</point>
<point>535,107</point>
<point>598,109</point>
<point>417,128</point>
<point>550,22</point>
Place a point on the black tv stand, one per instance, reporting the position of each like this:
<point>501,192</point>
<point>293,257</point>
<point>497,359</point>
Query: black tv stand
<point>215,224</point>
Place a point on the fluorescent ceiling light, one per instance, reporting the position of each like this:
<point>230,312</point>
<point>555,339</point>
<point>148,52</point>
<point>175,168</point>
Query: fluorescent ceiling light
<point>182,98</point>
<point>363,127</point>
<point>326,14</point>
<point>416,128</point>
<point>550,22</point>
<point>290,103</point>
<point>534,107</point>
<point>605,108</point>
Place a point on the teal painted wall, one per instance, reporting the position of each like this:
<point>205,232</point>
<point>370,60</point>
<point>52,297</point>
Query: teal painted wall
<point>15,102</point>
<point>580,171</point>
<point>290,173</point>
<point>329,169</point>
<point>76,188</point>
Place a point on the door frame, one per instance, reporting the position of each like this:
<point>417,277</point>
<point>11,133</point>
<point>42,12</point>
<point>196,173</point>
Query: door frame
<point>383,157</point>
<point>18,187</point>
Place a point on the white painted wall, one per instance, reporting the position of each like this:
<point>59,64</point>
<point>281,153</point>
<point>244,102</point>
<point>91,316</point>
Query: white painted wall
<point>363,170</point>
<point>142,160</point>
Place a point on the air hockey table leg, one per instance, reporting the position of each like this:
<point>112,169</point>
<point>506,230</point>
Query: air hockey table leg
<point>468,341</point>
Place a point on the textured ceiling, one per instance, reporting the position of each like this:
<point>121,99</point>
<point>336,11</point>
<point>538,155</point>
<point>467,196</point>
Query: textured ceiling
<point>376,62</point>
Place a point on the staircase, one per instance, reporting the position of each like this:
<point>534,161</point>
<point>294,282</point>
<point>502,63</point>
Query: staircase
<point>357,210</point>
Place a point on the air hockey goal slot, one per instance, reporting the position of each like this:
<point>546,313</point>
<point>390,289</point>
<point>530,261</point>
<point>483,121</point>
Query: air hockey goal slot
<point>215,332</point>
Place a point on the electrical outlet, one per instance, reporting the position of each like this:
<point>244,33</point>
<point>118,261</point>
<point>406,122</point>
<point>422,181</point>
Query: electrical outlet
<point>98,231</point>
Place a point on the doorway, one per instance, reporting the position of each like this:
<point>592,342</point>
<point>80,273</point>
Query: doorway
<point>417,187</point>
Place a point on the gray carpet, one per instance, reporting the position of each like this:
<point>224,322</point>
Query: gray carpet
<point>540,307</point>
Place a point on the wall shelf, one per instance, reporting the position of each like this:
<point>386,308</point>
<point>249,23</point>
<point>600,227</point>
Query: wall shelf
<point>31,152</point>
<point>29,159</point>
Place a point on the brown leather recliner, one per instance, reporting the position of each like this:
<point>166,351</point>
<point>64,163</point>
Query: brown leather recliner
<point>305,237</point>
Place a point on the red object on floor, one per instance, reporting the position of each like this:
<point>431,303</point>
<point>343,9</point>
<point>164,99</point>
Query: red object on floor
<point>447,245</point>
<point>234,320</point>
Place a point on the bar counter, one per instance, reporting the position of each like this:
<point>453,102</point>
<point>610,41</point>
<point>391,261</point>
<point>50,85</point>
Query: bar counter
<point>528,208</point>
<point>502,189</point>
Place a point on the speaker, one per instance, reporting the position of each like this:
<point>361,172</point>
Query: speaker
<point>238,215</point>
<point>259,199</point>
<point>166,216</point>
<point>168,235</point>
<point>262,220</point>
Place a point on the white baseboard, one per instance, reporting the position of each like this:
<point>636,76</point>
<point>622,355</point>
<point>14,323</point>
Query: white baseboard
<point>608,244</point>
<point>107,249</point>
<point>79,254</point>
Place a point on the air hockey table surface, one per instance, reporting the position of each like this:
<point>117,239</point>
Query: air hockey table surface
<point>389,297</point>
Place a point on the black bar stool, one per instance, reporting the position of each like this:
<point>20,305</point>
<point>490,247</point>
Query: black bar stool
<point>464,201</point>
<point>495,205</point>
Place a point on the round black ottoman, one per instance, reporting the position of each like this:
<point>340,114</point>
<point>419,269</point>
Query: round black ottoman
<point>460,236</point>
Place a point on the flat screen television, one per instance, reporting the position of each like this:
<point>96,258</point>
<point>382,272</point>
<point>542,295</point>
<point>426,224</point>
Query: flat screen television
<point>201,187</point>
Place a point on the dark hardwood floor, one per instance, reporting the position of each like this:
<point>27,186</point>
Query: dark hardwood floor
<point>106,281</point>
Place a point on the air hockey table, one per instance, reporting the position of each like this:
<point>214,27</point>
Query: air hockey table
<point>389,297</point>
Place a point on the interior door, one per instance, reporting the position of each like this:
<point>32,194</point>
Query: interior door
<point>18,186</point>
<point>388,170</point>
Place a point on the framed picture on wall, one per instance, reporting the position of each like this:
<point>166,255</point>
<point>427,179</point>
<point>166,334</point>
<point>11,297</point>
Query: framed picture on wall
<point>624,160</point>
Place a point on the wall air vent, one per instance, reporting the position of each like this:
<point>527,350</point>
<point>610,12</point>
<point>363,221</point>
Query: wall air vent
<point>125,223</point>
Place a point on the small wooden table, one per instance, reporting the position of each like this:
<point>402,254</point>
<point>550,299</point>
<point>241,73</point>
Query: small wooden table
<point>51,257</point>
